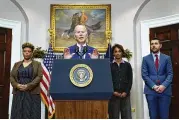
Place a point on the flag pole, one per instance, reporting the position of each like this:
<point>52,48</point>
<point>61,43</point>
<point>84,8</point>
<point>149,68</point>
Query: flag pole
<point>50,31</point>
<point>109,34</point>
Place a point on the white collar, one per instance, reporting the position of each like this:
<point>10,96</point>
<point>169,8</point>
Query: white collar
<point>80,45</point>
<point>156,54</point>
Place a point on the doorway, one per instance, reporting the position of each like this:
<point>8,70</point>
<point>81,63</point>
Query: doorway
<point>5,65</point>
<point>169,36</point>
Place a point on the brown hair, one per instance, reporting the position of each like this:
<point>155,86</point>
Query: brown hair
<point>156,39</point>
<point>119,47</point>
<point>28,45</point>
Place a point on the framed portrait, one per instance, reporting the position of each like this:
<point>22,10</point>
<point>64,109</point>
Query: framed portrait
<point>96,18</point>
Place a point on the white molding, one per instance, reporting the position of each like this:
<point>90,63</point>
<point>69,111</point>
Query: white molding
<point>16,38</point>
<point>16,46</point>
<point>16,53</point>
<point>145,44</point>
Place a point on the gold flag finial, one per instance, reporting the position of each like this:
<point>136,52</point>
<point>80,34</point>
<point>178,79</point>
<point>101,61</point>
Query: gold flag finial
<point>50,33</point>
<point>108,36</point>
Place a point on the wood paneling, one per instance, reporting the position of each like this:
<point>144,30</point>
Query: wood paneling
<point>81,109</point>
<point>5,64</point>
<point>165,32</point>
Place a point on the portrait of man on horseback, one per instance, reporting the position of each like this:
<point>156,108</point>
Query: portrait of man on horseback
<point>64,19</point>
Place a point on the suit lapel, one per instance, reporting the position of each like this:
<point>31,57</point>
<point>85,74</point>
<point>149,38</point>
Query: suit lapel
<point>160,61</point>
<point>34,67</point>
<point>87,55</point>
<point>17,67</point>
<point>153,63</point>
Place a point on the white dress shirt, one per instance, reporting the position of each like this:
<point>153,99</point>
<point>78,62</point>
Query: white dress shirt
<point>155,57</point>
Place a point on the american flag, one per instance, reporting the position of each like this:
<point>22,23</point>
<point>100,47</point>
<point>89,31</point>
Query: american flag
<point>109,53</point>
<point>45,82</point>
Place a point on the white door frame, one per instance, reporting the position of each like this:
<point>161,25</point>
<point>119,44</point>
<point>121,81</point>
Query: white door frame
<point>16,46</point>
<point>145,44</point>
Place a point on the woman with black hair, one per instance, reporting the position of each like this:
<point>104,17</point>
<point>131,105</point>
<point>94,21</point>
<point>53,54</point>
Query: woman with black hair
<point>25,79</point>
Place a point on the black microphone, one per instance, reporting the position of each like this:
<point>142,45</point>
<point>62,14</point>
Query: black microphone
<point>81,53</point>
<point>85,49</point>
<point>77,49</point>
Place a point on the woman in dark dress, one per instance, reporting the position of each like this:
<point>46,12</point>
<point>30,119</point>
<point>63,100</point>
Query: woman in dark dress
<point>25,79</point>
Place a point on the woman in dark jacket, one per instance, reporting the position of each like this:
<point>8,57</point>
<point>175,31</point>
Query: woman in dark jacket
<point>25,79</point>
<point>122,82</point>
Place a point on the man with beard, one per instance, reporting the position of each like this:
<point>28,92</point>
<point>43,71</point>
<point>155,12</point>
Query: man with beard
<point>157,74</point>
<point>122,82</point>
<point>80,50</point>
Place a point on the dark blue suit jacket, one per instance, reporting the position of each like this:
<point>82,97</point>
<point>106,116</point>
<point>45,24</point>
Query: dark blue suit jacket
<point>76,56</point>
<point>150,74</point>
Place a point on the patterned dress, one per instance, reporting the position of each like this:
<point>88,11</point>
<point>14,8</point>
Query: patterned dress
<point>25,105</point>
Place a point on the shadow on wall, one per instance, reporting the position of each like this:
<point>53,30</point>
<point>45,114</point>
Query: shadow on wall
<point>25,17</point>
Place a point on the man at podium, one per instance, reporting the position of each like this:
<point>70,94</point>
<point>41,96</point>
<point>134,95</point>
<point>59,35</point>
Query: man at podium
<point>81,50</point>
<point>76,83</point>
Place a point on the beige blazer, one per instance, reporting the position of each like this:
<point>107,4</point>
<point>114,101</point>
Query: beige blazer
<point>34,86</point>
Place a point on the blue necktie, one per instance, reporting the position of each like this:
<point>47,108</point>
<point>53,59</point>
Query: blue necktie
<point>81,49</point>
<point>81,52</point>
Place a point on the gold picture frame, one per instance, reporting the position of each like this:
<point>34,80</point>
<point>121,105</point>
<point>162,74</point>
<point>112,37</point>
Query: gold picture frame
<point>64,18</point>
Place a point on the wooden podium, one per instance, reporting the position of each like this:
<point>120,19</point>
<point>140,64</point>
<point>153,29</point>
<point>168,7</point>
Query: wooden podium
<point>74,102</point>
<point>81,109</point>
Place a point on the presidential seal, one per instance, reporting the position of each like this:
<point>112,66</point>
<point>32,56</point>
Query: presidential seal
<point>81,75</point>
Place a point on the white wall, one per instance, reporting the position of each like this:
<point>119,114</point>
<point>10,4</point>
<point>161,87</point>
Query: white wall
<point>154,9</point>
<point>9,11</point>
<point>159,8</point>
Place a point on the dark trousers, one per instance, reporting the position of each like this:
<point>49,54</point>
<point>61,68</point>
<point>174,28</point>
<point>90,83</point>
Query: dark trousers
<point>158,106</point>
<point>118,106</point>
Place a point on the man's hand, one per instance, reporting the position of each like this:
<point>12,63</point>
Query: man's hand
<point>124,94</point>
<point>117,94</point>
<point>67,54</point>
<point>156,88</point>
<point>161,88</point>
<point>94,55</point>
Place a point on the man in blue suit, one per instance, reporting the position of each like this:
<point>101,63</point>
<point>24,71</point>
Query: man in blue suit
<point>80,50</point>
<point>157,74</point>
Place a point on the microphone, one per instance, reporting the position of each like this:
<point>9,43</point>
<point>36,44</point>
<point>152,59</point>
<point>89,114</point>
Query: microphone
<point>77,49</point>
<point>81,53</point>
<point>85,49</point>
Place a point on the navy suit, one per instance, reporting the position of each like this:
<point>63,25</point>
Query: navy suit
<point>158,103</point>
<point>76,56</point>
